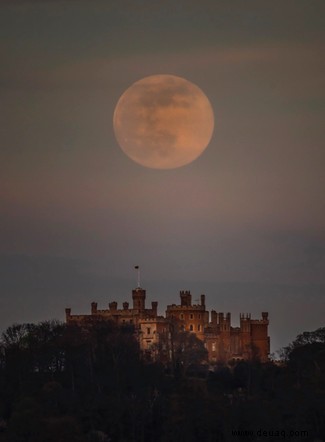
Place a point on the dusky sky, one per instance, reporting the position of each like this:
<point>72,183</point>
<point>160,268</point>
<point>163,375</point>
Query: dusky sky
<point>244,223</point>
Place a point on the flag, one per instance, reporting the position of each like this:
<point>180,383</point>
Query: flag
<point>136,267</point>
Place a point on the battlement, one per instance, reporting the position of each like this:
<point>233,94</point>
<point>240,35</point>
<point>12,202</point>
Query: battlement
<point>186,303</point>
<point>220,318</point>
<point>78,317</point>
<point>195,307</point>
<point>259,321</point>
<point>184,292</point>
<point>245,316</point>
<point>118,315</point>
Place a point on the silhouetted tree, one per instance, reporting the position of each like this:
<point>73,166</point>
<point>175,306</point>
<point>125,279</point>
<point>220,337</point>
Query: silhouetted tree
<point>305,356</point>
<point>180,349</point>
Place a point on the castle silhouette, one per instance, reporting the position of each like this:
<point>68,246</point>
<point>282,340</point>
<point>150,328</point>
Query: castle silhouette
<point>223,342</point>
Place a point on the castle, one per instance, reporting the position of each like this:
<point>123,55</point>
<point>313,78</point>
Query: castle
<point>222,341</point>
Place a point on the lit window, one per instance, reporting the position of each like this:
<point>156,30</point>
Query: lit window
<point>213,346</point>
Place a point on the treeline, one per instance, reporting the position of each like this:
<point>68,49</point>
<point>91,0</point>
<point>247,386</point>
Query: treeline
<point>62,383</point>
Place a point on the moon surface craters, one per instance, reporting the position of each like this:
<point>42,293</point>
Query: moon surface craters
<point>163,121</point>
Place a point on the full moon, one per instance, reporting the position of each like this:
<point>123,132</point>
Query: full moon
<point>163,122</point>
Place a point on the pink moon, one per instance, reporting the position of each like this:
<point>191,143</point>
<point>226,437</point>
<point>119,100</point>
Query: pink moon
<point>163,122</point>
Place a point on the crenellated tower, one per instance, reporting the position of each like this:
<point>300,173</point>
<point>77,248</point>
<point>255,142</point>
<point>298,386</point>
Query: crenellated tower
<point>139,299</point>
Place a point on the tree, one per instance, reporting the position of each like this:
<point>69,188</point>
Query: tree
<point>189,350</point>
<point>316,336</point>
<point>180,349</point>
<point>305,357</point>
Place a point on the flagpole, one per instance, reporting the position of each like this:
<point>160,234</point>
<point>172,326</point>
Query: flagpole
<point>138,274</point>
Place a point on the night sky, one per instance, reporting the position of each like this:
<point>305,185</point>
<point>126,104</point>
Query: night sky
<point>244,223</point>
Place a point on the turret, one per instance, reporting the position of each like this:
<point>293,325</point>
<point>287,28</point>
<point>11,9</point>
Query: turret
<point>265,316</point>
<point>186,298</point>
<point>224,322</point>
<point>67,314</point>
<point>112,306</point>
<point>154,308</point>
<point>139,299</point>
<point>214,317</point>
<point>245,322</point>
<point>94,308</point>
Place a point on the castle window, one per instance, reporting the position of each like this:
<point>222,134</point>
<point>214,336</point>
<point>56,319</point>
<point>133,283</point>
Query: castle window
<point>181,316</point>
<point>148,331</point>
<point>191,327</point>
<point>213,346</point>
<point>191,316</point>
<point>199,327</point>
<point>199,316</point>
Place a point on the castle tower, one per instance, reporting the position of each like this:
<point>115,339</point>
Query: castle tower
<point>260,341</point>
<point>186,298</point>
<point>139,299</point>
<point>94,308</point>
<point>154,308</point>
<point>245,335</point>
<point>67,314</point>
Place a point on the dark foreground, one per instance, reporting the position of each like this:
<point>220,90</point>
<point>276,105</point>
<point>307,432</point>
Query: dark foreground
<point>61,384</point>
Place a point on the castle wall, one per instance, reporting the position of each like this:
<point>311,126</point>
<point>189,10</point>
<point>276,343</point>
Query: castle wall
<point>149,331</point>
